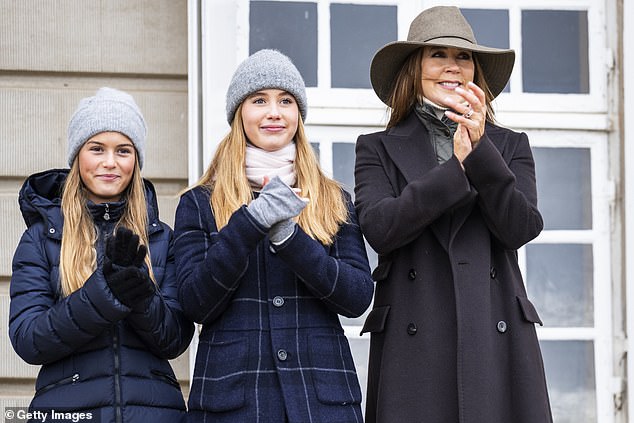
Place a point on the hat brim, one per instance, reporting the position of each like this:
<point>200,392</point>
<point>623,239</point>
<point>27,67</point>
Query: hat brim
<point>497,64</point>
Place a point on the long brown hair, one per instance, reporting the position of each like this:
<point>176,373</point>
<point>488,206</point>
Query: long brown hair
<point>408,88</point>
<point>227,181</point>
<point>78,257</point>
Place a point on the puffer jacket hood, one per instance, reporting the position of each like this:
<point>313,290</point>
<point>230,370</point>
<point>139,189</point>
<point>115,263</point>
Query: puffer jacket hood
<point>40,199</point>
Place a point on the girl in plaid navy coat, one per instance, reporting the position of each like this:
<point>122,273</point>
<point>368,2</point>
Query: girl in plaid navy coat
<point>267,280</point>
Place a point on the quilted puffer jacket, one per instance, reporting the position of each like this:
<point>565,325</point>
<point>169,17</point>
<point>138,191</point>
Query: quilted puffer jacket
<point>97,355</point>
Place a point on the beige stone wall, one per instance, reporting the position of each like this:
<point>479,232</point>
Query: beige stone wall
<point>52,53</point>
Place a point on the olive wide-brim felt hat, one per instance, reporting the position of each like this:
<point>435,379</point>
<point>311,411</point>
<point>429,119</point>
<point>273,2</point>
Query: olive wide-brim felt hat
<point>442,26</point>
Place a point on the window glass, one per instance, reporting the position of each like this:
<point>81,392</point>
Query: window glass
<point>356,33</point>
<point>555,51</point>
<point>490,27</point>
<point>559,279</point>
<point>359,348</point>
<point>570,376</point>
<point>316,147</point>
<point>564,187</point>
<point>290,27</point>
<point>343,164</point>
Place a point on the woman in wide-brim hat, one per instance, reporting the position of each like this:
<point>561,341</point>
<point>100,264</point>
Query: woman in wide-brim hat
<point>446,197</point>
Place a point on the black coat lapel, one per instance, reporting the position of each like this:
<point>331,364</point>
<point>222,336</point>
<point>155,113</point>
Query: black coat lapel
<point>410,149</point>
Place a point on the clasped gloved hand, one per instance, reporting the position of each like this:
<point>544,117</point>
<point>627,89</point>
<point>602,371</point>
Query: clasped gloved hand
<point>276,202</point>
<point>124,272</point>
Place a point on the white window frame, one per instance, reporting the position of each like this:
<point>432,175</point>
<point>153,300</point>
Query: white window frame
<point>628,139</point>
<point>599,238</point>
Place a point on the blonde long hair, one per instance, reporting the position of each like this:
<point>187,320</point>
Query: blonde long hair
<point>78,256</point>
<point>227,181</point>
<point>408,88</point>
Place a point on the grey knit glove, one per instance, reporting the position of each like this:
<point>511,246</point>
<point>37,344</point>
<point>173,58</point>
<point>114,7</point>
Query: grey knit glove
<point>281,231</point>
<point>276,202</point>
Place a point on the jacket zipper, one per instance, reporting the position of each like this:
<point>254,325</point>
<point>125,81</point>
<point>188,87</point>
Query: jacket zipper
<point>166,378</point>
<point>117,376</point>
<point>71,379</point>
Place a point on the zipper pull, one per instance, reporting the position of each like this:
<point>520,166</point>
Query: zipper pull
<point>106,215</point>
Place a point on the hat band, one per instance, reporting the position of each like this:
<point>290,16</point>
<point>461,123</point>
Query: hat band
<point>451,36</point>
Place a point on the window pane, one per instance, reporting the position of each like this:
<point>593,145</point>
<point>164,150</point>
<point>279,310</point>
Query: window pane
<point>559,279</point>
<point>316,150</point>
<point>490,27</point>
<point>343,157</point>
<point>555,51</point>
<point>564,187</point>
<point>343,164</point>
<point>569,369</point>
<point>356,33</point>
<point>360,351</point>
<point>290,27</point>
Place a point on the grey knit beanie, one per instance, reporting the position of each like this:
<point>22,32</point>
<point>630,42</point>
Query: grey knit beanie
<point>262,70</point>
<point>109,110</point>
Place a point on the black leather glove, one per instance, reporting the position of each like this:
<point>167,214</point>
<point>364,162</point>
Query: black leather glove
<point>123,269</point>
<point>131,285</point>
<point>123,248</point>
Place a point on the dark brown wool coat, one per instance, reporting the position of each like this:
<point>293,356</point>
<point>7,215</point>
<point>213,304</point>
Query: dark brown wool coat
<point>452,330</point>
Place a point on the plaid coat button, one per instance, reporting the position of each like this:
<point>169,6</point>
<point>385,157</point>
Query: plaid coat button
<point>282,355</point>
<point>278,301</point>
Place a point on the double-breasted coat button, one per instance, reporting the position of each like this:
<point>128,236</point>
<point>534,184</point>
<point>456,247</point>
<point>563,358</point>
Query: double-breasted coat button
<point>412,274</point>
<point>278,301</point>
<point>502,326</point>
<point>282,355</point>
<point>412,329</point>
<point>493,272</point>
<point>51,230</point>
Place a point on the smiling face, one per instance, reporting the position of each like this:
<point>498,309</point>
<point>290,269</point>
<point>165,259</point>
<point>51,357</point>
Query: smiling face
<point>106,166</point>
<point>444,69</point>
<point>270,118</point>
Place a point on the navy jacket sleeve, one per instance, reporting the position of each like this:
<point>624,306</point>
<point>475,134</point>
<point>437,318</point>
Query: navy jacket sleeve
<point>341,277</point>
<point>163,327</point>
<point>44,328</point>
<point>209,263</point>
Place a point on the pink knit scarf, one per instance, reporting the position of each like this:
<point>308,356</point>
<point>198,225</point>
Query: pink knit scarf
<point>261,163</point>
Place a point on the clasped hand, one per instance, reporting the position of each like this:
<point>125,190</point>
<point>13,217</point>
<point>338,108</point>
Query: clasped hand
<point>124,272</point>
<point>472,120</point>
<point>275,208</point>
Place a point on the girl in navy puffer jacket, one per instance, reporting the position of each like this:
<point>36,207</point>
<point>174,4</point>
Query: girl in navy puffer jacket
<point>93,289</point>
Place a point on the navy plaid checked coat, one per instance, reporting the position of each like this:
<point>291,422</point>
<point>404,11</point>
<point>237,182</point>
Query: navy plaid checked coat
<point>271,347</point>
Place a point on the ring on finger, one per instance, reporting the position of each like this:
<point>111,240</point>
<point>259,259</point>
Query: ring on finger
<point>468,113</point>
